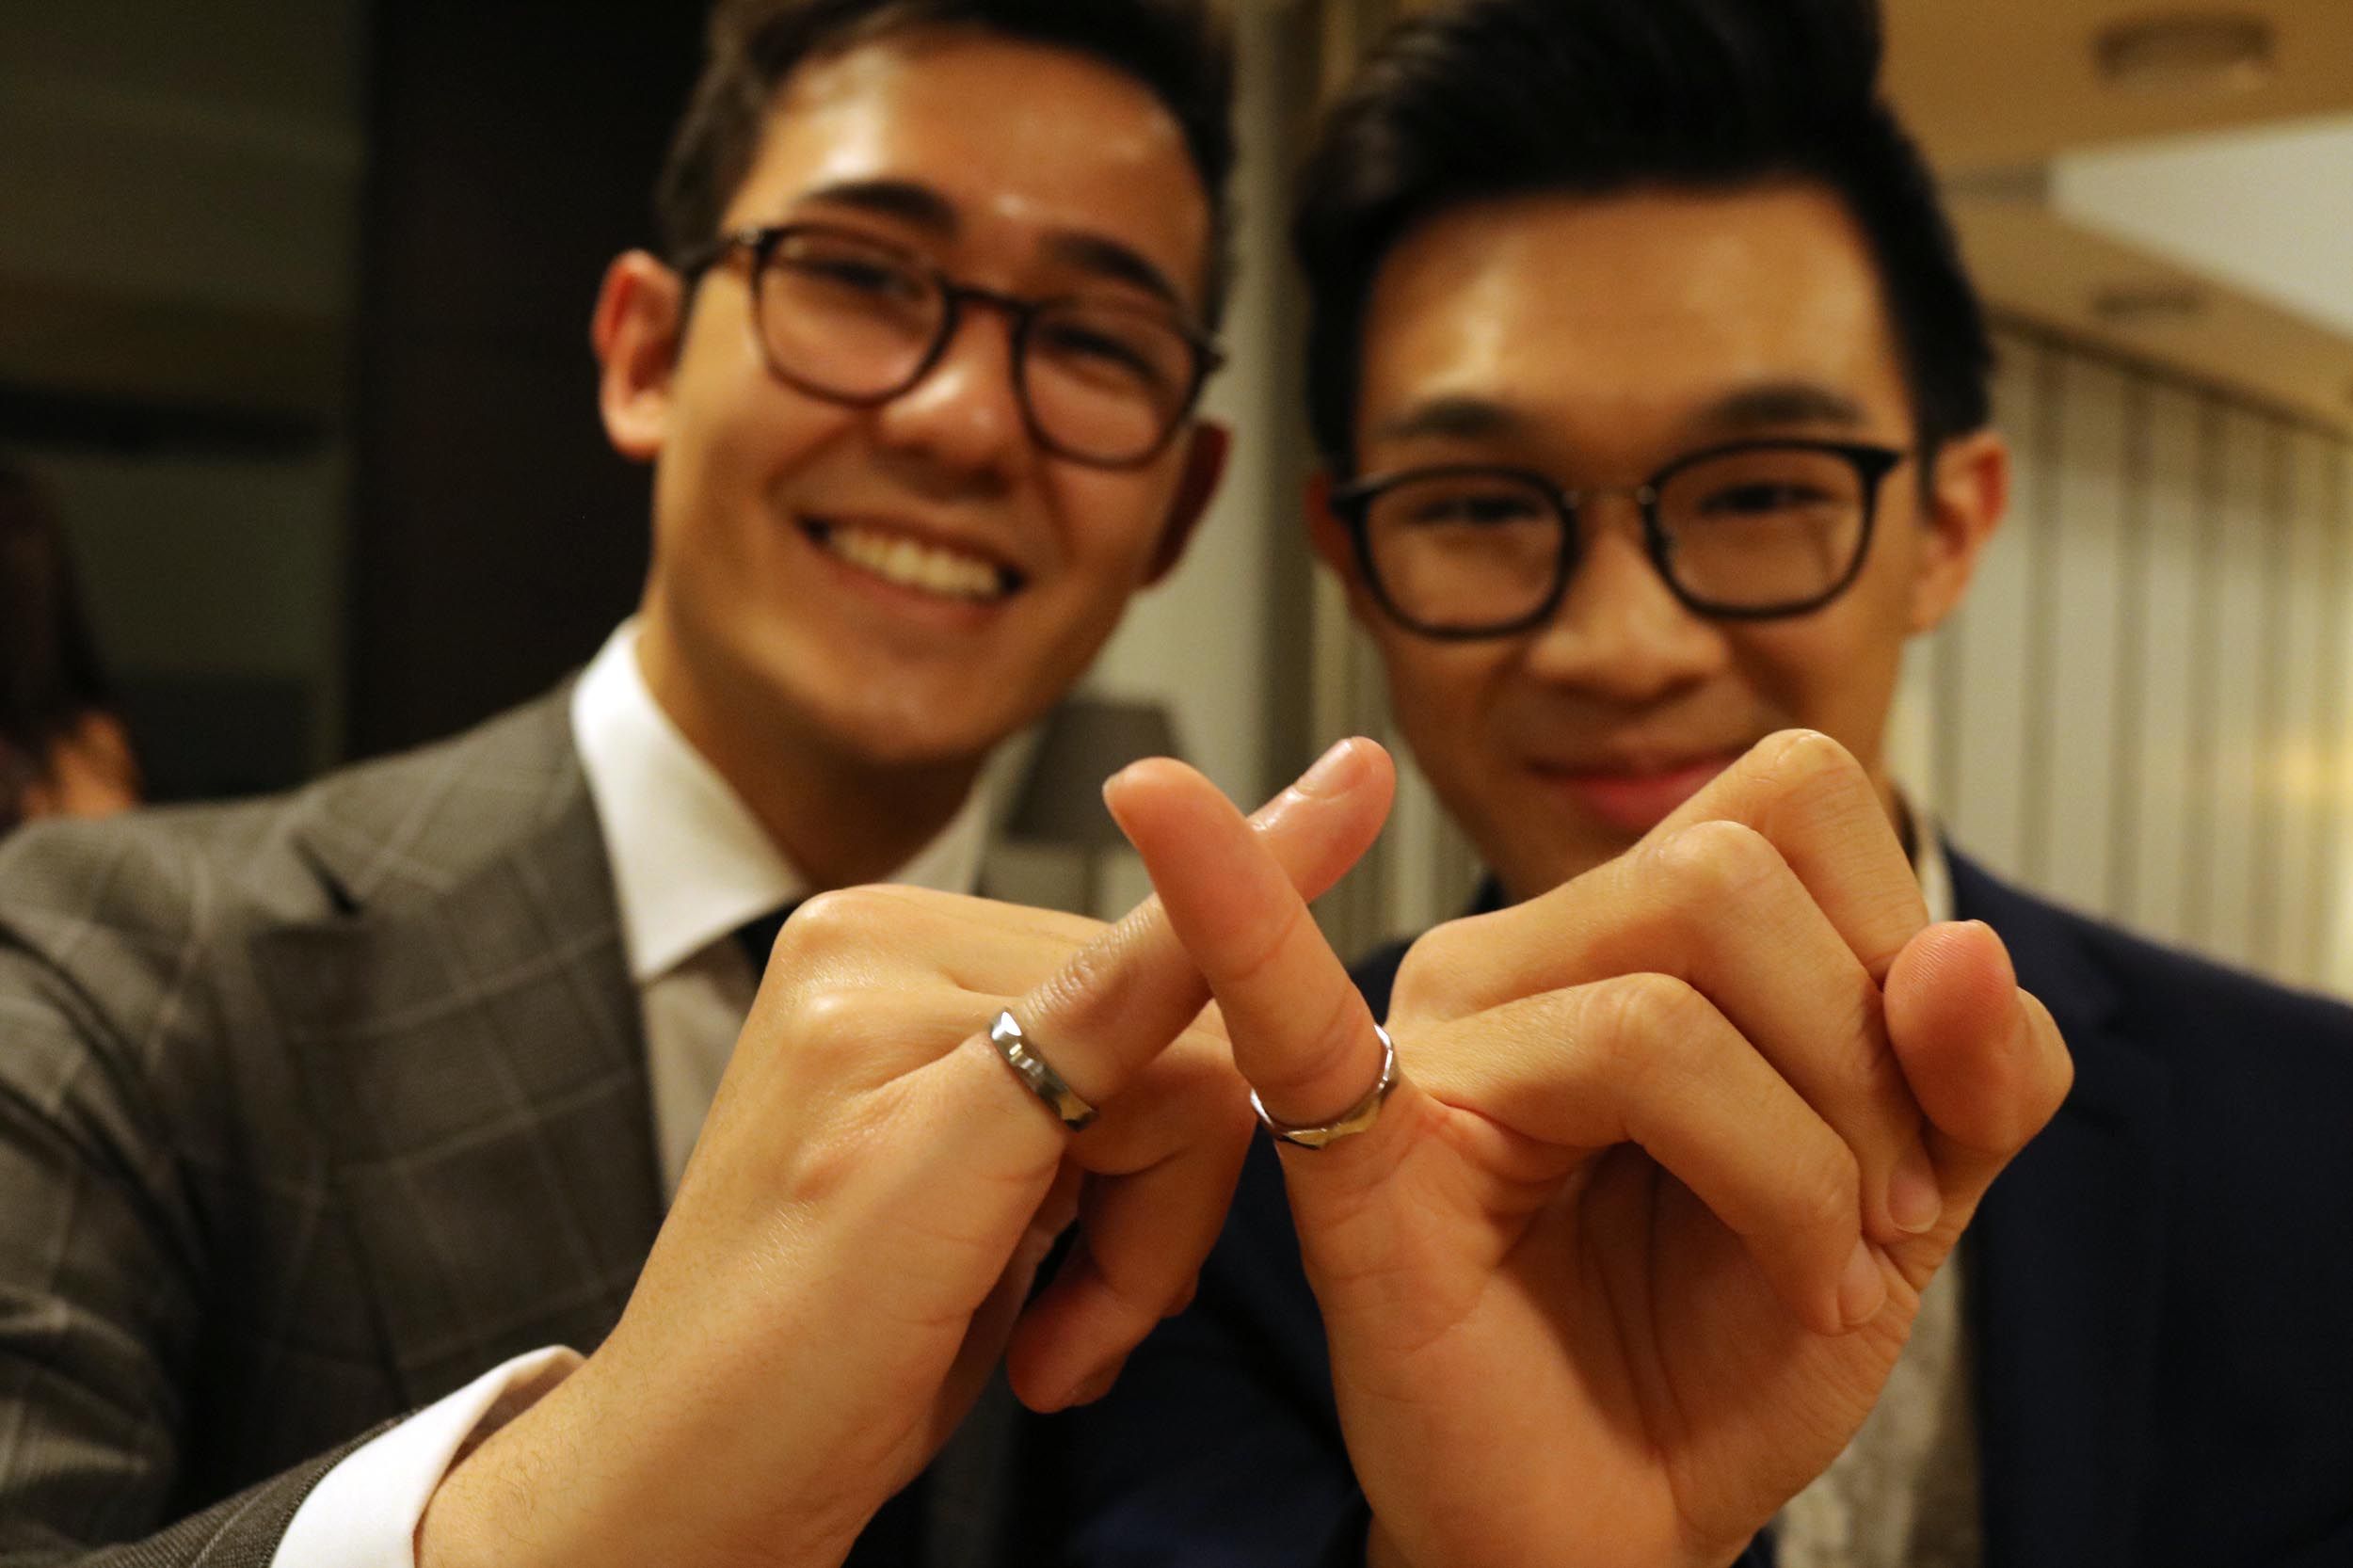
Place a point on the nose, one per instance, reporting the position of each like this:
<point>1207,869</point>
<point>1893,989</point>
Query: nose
<point>1619,632</point>
<point>964,417</point>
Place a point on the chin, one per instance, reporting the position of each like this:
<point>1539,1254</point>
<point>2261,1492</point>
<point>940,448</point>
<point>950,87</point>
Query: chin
<point>1537,869</point>
<point>944,731</point>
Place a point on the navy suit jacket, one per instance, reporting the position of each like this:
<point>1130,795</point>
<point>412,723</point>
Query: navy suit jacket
<point>2160,1290</point>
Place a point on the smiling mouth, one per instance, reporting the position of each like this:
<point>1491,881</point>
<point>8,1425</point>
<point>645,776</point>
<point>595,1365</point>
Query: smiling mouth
<point>918,565</point>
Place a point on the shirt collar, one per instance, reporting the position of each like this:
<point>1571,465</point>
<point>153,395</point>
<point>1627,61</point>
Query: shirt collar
<point>1928,861</point>
<point>690,862</point>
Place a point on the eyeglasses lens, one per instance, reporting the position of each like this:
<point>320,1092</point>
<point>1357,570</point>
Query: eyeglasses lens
<point>1763,528</point>
<point>1101,380</point>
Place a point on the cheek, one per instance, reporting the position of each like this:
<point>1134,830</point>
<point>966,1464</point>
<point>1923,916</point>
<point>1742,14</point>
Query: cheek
<point>1442,698</point>
<point>1109,525</point>
<point>739,429</point>
<point>1834,672</point>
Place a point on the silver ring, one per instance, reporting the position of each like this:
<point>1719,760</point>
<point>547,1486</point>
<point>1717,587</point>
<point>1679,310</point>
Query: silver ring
<point>1355,1119</point>
<point>1035,1071</point>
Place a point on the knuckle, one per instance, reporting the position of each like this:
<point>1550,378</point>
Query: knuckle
<point>1802,757</point>
<point>1140,1298</point>
<point>1651,1011</point>
<point>1825,1196</point>
<point>1648,1023</point>
<point>1712,863</point>
<point>1431,967</point>
<point>1326,1050</point>
<point>1266,947</point>
<point>830,1024</point>
<point>1800,770</point>
<point>1095,987</point>
<point>831,921</point>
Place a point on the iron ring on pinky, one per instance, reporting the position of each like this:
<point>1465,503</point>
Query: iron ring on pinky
<point>1038,1073</point>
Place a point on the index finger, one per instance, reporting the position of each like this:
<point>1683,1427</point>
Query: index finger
<point>1802,791</point>
<point>1815,804</point>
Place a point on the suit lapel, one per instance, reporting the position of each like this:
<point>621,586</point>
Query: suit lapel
<point>2064,1269</point>
<point>471,1048</point>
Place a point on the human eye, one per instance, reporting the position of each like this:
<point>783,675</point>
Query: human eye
<point>1105,348</point>
<point>1763,485</point>
<point>1469,503</point>
<point>1752,496</point>
<point>851,273</point>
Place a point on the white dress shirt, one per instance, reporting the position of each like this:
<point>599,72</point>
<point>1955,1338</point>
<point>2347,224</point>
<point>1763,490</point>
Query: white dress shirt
<point>690,865</point>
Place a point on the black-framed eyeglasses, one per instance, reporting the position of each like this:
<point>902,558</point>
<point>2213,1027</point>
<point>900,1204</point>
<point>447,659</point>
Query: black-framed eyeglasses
<point>1746,530</point>
<point>1101,380</point>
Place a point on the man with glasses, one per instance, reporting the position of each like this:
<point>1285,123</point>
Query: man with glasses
<point>1653,397</point>
<point>318,1111</point>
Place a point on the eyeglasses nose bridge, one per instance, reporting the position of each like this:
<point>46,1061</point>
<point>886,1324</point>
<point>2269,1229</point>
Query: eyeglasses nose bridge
<point>1018,313</point>
<point>1578,506</point>
<point>954,297</point>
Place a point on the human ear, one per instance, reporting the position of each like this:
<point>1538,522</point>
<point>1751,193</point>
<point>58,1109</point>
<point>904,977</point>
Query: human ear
<point>640,311</point>
<point>1334,546</point>
<point>1967,496</point>
<point>1206,450</point>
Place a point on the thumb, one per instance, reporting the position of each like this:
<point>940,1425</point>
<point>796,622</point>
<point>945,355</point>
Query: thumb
<point>1300,1031</point>
<point>1983,1058</point>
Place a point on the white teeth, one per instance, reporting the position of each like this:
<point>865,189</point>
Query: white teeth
<point>911,564</point>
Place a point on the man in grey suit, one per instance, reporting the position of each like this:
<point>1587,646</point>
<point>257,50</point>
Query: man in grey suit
<point>321,1110</point>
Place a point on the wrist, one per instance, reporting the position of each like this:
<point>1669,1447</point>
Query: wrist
<point>514,1496</point>
<point>569,1483</point>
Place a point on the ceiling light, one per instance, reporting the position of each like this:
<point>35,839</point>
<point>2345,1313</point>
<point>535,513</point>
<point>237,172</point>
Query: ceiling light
<point>2202,53</point>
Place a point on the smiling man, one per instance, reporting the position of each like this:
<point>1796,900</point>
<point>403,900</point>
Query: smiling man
<point>1653,398</point>
<point>318,1110</point>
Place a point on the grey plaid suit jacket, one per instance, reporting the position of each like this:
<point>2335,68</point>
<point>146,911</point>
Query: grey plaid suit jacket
<point>312,1109</point>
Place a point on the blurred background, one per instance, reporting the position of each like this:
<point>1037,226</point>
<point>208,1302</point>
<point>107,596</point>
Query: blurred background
<point>294,302</point>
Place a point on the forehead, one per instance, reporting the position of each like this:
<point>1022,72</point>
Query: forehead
<point>1022,141</point>
<point>1620,320</point>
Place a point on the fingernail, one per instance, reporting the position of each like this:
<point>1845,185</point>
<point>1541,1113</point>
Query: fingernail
<point>1334,772</point>
<point>1862,1289</point>
<point>1914,1202</point>
<point>1093,1388</point>
<point>1112,784</point>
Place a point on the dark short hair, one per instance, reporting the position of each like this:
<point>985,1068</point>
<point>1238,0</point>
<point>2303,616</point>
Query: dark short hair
<point>1485,98</point>
<point>1177,49</point>
<point>50,674</point>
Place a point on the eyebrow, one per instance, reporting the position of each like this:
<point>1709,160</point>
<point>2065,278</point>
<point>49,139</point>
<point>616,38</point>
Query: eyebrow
<point>909,202</point>
<point>1459,418</point>
<point>1107,258</point>
<point>921,207</point>
<point>1770,404</point>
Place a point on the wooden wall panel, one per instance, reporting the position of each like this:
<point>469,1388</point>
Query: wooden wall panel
<point>2153,807</point>
<point>2077,693</point>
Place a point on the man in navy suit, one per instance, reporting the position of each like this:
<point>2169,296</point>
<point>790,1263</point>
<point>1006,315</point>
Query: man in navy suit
<point>1653,397</point>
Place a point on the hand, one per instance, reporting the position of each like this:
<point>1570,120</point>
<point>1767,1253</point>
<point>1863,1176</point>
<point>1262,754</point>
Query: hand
<point>855,1237</point>
<point>1626,1258</point>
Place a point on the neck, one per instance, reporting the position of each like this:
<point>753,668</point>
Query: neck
<point>838,819</point>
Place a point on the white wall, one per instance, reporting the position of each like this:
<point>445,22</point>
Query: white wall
<point>2273,205</point>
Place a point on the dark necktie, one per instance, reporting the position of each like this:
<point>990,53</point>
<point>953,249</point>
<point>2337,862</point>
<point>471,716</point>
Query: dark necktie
<point>758,935</point>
